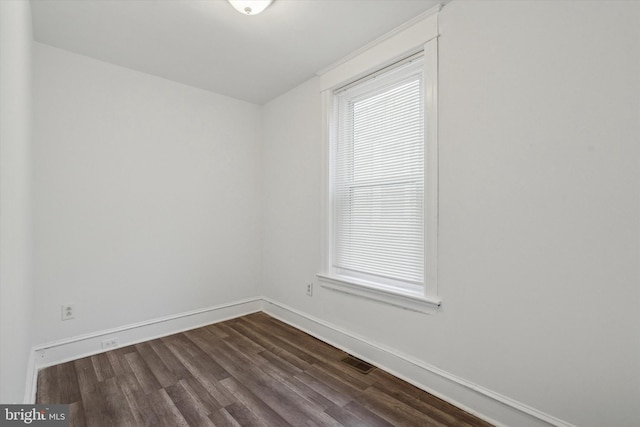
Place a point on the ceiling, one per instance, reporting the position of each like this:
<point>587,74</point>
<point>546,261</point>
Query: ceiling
<point>208,44</point>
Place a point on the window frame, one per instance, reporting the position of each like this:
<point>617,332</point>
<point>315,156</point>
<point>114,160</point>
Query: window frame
<point>348,187</point>
<point>428,301</point>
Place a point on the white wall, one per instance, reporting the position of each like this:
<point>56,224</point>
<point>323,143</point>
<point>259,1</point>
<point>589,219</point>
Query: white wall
<point>292,213</point>
<point>539,211</point>
<point>147,199</point>
<point>16,290</point>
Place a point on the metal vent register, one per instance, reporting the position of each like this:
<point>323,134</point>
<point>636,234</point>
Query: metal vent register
<point>359,365</point>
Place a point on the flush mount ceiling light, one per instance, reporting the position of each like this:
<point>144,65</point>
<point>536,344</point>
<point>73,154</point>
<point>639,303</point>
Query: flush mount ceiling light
<point>250,7</point>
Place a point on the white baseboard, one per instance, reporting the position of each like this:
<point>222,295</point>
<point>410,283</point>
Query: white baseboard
<point>32,379</point>
<point>486,404</point>
<point>73,348</point>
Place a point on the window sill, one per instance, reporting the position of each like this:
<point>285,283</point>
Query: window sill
<point>365,290</point>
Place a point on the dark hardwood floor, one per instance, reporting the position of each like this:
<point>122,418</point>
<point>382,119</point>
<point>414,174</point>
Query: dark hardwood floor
<point>249,371</point>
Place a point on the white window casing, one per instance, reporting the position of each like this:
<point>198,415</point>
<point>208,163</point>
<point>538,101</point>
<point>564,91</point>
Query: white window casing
<point>381,170</point>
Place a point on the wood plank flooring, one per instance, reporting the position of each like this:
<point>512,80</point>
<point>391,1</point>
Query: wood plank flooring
<point>249,371</point>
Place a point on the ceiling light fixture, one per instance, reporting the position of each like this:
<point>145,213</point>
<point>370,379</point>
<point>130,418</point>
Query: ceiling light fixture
<point>250,7</point>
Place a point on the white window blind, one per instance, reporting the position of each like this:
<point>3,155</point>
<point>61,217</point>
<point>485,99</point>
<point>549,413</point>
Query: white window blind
<point>378,178</point>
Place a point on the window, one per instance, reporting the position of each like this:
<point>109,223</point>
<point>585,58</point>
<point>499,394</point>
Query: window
<point>382,190</point>
<point>378,179</point>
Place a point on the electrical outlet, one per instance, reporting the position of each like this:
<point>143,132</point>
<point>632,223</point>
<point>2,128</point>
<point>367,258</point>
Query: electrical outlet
<point>68,311</point>
<point>112,343</point>
<point>310,288</point>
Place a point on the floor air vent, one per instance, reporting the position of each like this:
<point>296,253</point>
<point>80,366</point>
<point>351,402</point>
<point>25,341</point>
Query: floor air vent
<point>359,365</point>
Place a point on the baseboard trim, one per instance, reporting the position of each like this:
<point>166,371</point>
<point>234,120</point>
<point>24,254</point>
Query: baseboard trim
<point>65,350</point>
<point>477,400</point>
<point>32,379</point>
